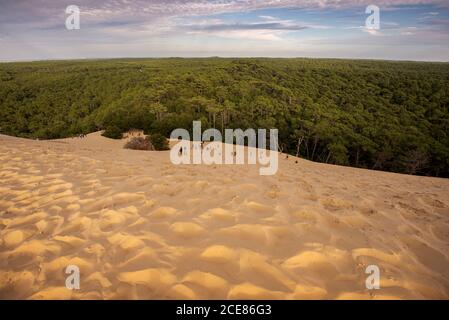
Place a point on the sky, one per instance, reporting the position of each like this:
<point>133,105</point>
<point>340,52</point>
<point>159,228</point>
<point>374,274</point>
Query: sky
<point>408,29</point>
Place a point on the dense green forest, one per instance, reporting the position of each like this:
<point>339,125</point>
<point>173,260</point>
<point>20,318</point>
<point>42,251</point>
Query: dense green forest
<point>373,114</point>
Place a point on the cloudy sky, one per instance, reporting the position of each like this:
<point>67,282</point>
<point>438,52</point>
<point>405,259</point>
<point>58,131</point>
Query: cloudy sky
<point>409,29</point>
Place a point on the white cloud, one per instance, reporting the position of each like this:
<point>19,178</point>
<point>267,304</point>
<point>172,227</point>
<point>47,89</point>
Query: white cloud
<point>260,35</point>
<point>372,32</point>
<point>267,17</point>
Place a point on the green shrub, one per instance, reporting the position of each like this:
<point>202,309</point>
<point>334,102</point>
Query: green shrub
<point>113,132</point>
<point>159,141</point>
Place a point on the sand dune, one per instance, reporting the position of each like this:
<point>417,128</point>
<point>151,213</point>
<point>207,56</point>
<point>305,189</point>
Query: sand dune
<point>139,227</point>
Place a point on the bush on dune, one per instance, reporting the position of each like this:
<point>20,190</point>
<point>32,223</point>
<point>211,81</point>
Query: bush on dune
<point>155,141</point>
<point>113,132</point>
<point>159,142</point>
<point>139,143</point>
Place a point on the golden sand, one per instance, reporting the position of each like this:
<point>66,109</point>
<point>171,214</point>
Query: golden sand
<point>139,227</point>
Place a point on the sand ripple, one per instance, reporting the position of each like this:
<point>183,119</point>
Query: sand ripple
<point>141,228</point>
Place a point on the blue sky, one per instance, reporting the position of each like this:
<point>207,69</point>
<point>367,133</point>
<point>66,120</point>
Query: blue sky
<point>409,29</point>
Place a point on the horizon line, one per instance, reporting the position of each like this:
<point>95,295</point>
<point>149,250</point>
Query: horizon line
<point>215,57</point>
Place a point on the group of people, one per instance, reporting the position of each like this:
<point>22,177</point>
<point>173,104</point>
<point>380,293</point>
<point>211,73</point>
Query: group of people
<point>81,136</point>
<point>181,150</point>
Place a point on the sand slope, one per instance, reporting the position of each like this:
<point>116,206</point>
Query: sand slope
<point>139,227</point>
